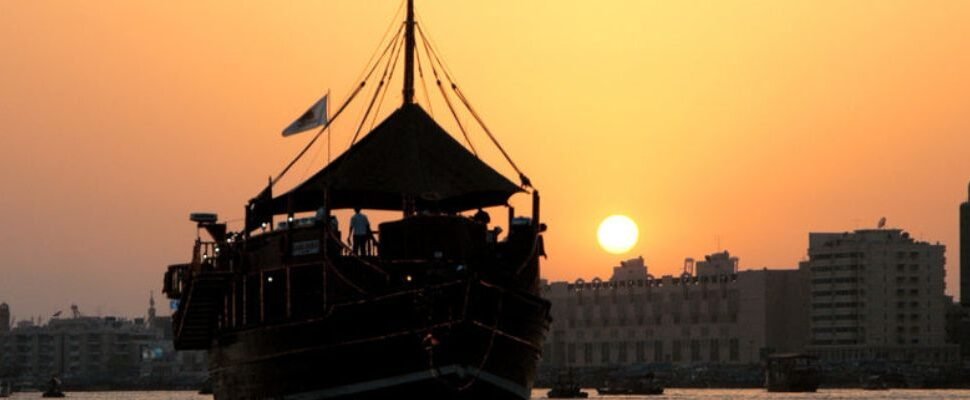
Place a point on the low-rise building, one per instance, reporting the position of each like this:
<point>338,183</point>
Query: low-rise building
<point>93,351</point>
<point>715,316</point>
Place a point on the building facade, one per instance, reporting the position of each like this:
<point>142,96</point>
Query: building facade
<point>877,294</point>
<point>965,251</point>
<point>958,327</point>
<point>714,316</point>
<point>99,351</point>
<point>4,318</point>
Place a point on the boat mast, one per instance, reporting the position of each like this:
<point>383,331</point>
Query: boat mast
<point>409,55</point>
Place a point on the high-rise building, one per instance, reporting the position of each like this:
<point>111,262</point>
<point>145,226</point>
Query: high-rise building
<point>877,294</point>
<point>4,318</point>
<point>965,251</point>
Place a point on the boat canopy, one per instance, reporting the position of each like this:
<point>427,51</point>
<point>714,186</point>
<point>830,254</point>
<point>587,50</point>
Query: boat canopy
<point>407,156</point>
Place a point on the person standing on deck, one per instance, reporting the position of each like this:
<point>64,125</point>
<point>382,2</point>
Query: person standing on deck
<point>359,232</point>
<point>482,216</point>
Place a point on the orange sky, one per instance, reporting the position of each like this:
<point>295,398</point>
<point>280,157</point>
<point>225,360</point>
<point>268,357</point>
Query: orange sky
<point>739,124</point>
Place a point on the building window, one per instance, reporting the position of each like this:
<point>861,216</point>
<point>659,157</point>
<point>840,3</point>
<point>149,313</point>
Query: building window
<point>715,351</point>
<point>695,350</point>
<point>605,353</point>
<point>658,351</point>
<point>621,352</point>
<point>676,351</point>
<point>734,351</point>
<point>641,352</point>
<point>587,353</point>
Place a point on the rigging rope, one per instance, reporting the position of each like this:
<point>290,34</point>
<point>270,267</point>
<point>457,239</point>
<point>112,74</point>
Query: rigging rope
<point>377,90</point>
<point>435,369</point>
<point>316,153</point>
<point>524,180</point>
<point>383,37</point>
<point>424,85</point>
<point>444,94</point>
<point>339,111</point>
<point>390,77</point>
<point>360,259</point>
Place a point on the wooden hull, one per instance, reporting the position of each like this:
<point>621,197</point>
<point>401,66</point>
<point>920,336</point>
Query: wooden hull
<point>460,340</point>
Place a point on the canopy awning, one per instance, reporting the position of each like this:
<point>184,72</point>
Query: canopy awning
<point>407,156</point>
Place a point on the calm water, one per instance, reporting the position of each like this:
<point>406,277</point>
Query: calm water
<point>540,394</point>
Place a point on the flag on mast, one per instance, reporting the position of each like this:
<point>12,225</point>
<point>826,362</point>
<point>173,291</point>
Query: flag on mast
<point>312,118</point>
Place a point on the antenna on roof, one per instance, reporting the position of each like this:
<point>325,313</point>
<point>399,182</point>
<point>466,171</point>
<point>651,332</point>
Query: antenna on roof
<point>882,223</point>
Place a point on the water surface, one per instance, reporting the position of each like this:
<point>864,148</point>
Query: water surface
<point>712,394</point>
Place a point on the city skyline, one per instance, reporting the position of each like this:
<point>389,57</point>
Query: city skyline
<point>602,273</point>
<point>714,126</point>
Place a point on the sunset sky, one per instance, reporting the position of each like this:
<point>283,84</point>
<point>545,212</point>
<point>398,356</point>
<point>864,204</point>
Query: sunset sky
<point>738,125</point>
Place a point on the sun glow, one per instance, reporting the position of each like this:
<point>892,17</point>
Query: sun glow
<point>617,234</point>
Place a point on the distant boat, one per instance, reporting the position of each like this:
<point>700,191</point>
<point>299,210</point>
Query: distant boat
<point>875,382</point>
<point>206,387</point>
<point>53,388</point>
<point>566,387</point>
<point>791,372</point>
<point>645,385</point>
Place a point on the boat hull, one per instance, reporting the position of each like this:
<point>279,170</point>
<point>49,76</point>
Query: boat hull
<point>461,340</point>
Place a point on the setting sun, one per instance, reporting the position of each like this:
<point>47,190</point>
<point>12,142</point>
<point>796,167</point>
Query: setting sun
<point>617,234</point>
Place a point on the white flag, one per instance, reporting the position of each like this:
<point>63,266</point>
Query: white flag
<point>312,118</point>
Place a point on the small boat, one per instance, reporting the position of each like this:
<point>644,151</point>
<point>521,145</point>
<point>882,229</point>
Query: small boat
<point>566,387</point>
<point>206,387</point>
<point>645,385</point>
<point>791,372</point>
<point>53,388</point>
<point>567,393</point>
<point>875,382</point>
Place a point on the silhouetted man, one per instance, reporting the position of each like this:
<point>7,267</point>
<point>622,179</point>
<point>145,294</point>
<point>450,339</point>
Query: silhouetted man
<point>482,216</point>
<point>359,232</point>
